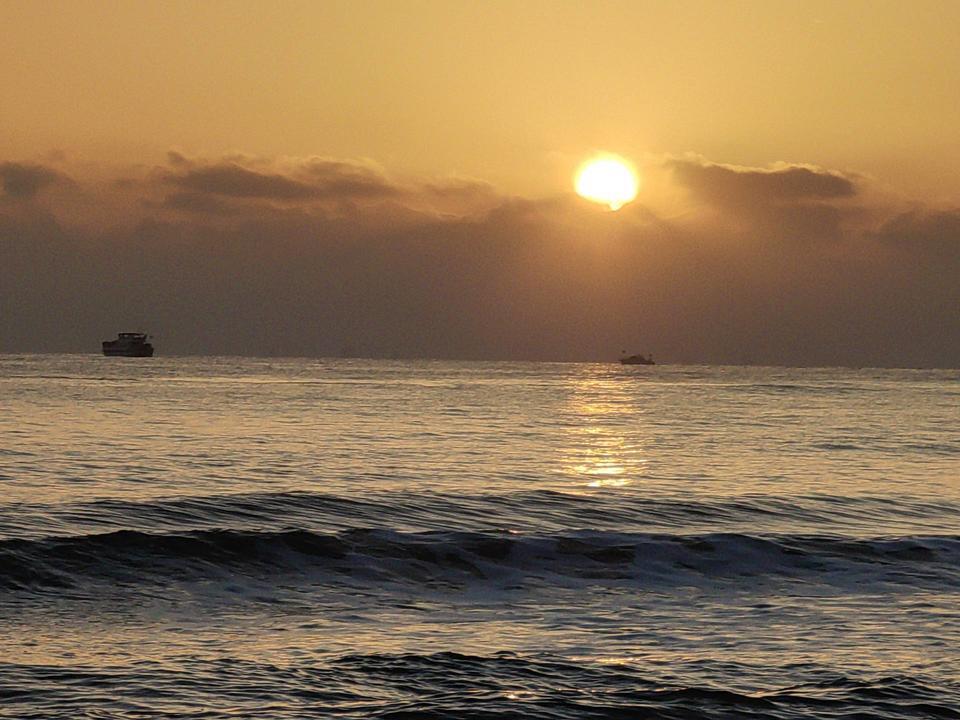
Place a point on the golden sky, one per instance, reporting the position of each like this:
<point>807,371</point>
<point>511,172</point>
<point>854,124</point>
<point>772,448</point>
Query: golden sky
<point>515,93</point>
<point>395,179</point>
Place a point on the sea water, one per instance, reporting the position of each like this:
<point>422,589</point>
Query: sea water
<point>289,538</point>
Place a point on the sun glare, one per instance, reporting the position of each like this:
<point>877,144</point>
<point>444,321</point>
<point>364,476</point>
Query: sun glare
<point>608,180</point>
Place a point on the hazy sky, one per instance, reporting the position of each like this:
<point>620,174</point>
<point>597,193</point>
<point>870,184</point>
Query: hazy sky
<point>395,178</point>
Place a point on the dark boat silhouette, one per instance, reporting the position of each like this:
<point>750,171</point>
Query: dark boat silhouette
<point>128,345</point>
<point>637,360</point>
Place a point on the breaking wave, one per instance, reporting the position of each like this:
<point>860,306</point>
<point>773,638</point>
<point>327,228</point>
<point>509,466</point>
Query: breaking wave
<point>441,560</point>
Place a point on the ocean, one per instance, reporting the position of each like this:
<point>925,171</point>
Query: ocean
<point>298,538</point>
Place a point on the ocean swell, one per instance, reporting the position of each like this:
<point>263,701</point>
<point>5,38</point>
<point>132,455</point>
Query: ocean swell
<point>505,560</point>
<point>532,511</point>
<point>453,685</point>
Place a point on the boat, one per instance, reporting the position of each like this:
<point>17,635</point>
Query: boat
<point>128,344</point>
<point>637,360</point>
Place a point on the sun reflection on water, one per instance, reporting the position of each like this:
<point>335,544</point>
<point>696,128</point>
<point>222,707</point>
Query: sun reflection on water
<point>603,449</point>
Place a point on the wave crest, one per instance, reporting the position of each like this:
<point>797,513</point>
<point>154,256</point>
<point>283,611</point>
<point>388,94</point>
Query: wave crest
<point>505,560</point>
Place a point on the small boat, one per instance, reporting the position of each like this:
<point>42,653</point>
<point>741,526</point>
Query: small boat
<point>128,345</point>
<point>637,360</point>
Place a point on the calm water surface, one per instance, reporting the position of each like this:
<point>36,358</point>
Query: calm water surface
<point>224,537</point>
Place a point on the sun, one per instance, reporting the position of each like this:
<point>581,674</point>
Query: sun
<point>607,179</point>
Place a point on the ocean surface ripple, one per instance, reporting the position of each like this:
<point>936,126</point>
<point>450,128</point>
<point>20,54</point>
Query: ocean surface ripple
<point>289,538</point>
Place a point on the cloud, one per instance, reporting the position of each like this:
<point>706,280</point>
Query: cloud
<point>459,189</point>
<point>240,186</point>
<point>22,180</point>
<point>319,256</point>
<point>178,159</point>
<point>196,202</point>
<point>236,181</point>
<point>310,180</point>
<point>732,185</point>
<point>925,232</point>
<point>336,178</point>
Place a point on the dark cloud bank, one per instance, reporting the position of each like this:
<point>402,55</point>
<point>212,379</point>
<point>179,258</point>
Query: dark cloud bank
<point>20,180</point>
<point>791,266</point>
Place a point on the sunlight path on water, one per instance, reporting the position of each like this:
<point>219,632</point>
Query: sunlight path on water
<point>290,538</point>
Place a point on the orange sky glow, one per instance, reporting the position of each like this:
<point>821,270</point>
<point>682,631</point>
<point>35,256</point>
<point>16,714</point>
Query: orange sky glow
<point>349,160</point>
